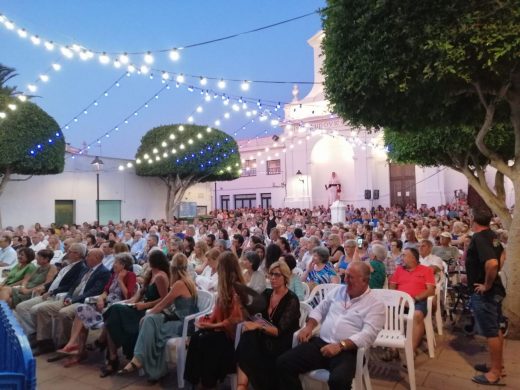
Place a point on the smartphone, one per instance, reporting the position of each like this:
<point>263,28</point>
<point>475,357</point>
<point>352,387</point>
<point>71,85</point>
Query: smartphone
<point>360,242</point>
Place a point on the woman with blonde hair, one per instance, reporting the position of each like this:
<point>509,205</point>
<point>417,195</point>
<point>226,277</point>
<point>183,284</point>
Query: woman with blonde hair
<point>198,259</point>
<point>164,321</point>
<point>208,279</point>
<point>270,334</point>
<point>211,353</point>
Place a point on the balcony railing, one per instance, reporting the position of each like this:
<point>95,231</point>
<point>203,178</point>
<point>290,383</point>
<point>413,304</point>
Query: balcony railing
<point>248,172</point>
<point>274,171</point>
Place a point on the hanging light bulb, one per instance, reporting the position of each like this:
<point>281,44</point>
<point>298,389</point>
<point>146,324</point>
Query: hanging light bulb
<point>130,68</point>
<point>245,86</point>
<point>208,129</point>
<point>174,55</point>
<point>67,52</point>
<point>35,39</point>
<point>148,58</point>
<point>22,98</point>
<point>104,58</point>
<point>203,81</point>
<point>49,45</point>
<point>22,32</point>
<point>12,107</point>
<point>180,78</point>
<point>121,168</point>
<point>32,87</point>
<point>117,64</point>
<point>199,109</point>
<point>9,25</point>
<point>123,58</point>
<point>144,69</point>
<point>44,78</point>
<point>165,76</point>
<point>221,84</point>
<point>190,119</point>
<point>84,55</point>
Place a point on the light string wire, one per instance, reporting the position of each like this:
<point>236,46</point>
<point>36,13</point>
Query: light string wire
<point>39,147</point>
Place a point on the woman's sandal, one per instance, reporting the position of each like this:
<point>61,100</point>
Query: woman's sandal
<point>110,368</point>
<point>129,368</point>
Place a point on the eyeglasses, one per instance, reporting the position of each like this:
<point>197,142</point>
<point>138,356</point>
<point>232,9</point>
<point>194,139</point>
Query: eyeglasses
<point>275,274</point>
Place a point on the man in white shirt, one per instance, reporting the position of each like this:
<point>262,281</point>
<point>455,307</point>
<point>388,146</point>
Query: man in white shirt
<point>38,242</point>
<point>351,318</point>
<point>108,254</point>
<point>7,253</point>
<point>312,243</point>
<point>430,260</point>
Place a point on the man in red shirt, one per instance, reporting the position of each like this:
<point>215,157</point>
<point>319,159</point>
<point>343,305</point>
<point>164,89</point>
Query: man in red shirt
<point>419,282</point>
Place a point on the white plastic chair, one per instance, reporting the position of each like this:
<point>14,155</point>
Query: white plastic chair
<point>319,292</point>
<point>318,379</point>
<point>398,329</point>
<point>298,271</point>
<point>176,346</point>
<point>438,311</point>
<point>305,310</point>
<point>307,291</point>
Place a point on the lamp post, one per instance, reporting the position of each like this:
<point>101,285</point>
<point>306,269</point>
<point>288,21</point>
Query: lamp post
<point>97,164</point>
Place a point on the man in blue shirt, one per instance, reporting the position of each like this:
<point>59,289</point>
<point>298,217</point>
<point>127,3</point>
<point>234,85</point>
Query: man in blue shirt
<point>7,253</point>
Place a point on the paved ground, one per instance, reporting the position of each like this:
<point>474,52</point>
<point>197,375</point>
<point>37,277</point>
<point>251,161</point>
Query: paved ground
<point>450,369</point>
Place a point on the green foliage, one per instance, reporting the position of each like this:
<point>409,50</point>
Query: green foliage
<point>188,162</point>
<point>414,64</point>
<point>20,132</point>
<point>6,93</point>
<point>448,147</point>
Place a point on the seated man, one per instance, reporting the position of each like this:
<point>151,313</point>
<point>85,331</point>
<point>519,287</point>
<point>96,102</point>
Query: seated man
<point>68,276</point>
<point>92,282</point>
<point>351,318</point>
<point>430,260</point>
<point>418,281</point>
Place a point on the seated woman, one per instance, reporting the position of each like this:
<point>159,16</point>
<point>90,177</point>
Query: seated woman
<point>320,270</point>
<point>33,282</point>
<point>253,278</point>
<point>164,321</point>
<point>22,268</point>
<point>208,279</point>
<point>335,248</point>
<point>197,260</point>
<point>270,335</point>
<point>211,353</point>
<point>378,255</point>
<point>295,284</point>
<point>121,286</point>
<point>122,320</point>
<point>419,282</point>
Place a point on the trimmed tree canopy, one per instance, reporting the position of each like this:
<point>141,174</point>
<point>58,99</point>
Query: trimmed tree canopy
<point>22,131</point>
<point>183,155</point>
<point>209,156</point>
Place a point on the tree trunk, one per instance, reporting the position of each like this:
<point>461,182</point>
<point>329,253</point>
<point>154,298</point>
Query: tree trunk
<point>3,183</point>
<point>496,202</point>
<point>176,189</point>
<point>511,269</point>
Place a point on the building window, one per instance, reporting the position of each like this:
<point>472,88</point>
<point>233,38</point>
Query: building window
<point>224,202</point>
<point>245,201</point>
<point>274,167</point>
<point>249,168</point>
<point>265,200</point>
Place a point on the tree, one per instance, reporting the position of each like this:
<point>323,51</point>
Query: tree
<point>184,155</point>
<point>417,66</point>
<point>6,92</point>
<point>20,133</point>
<point>450,148</point>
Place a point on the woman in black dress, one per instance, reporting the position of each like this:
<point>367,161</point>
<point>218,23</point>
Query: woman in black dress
<point>270,335</point>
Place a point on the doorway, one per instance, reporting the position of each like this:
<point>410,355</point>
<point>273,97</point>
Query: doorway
<point>402,185</point>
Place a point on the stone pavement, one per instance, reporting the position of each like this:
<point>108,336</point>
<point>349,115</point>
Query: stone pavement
<point>450,369</point>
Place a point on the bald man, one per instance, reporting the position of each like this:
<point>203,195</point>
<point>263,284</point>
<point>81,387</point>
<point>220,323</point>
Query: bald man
<point>92,282</point>
<point>351,318</point>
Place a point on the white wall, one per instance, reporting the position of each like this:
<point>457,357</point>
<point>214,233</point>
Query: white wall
<point>27,202</point>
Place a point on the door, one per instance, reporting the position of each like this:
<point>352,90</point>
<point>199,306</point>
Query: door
<point>64,212</point>
<point>402,185</point>
<point>109,210</point>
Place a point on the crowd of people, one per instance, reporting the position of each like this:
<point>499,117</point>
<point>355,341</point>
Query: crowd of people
<point>137,281</point>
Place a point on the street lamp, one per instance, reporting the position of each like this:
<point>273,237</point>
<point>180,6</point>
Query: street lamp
<point>97,163</point>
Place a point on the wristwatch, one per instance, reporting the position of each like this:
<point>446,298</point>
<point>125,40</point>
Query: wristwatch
<point>343,344</point>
